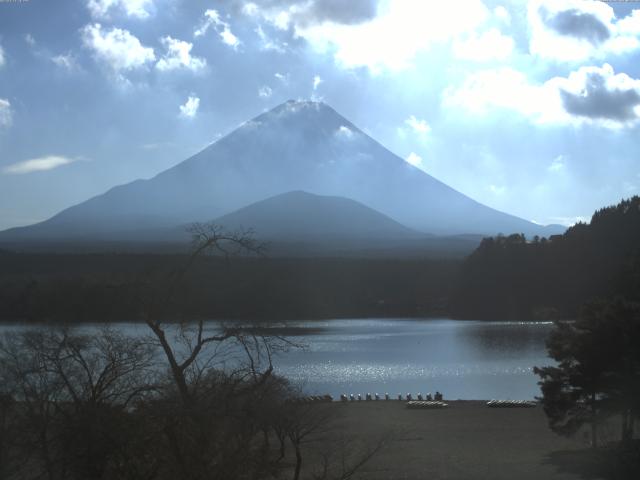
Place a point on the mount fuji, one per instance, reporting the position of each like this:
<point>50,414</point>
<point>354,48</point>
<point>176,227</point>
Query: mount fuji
<point>299,146</point>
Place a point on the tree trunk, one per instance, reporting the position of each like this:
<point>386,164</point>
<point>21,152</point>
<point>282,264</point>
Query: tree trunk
<point>296,474</point>
<point>176,371</point>
<point>594,432</point>
<point>281,439</point>
<point>627,426</point>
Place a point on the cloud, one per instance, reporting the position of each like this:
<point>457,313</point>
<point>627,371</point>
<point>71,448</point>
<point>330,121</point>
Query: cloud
<point>6,116</point>
<point>421,127</point>
<point>376,35</point>
<point>117,48</point>
<point>316,82</point>
<point>344,133</point>
<point>212,19</point>
<point>131,8</point>
<point>67,62</point>
<point>502,14</point>
<point>265,91</point>
<point>600,94</point>
<point>270,44</point>
<point>190,108</point>
<point>557,165</point>
<point>37,165</point>
<point>2,59</point>
<point>576,30</point>
<point>179,56</point>
<point>490,45</point>
<point>400,31</point>
<point>579,24</point>
<point>283,77</point>
<point>483,91</point>
<point>302,13</point>
<point>414,159</point>
<point>29,39</point>
<point>590,95</point>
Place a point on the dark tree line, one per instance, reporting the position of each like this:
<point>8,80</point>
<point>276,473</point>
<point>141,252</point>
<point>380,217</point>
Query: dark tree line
<point>511,277</point>
<point>112,287</point>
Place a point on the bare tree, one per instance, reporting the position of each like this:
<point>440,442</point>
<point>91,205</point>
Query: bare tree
<point>222,375</point>
<point>72,393</point>
<point>207,239</point>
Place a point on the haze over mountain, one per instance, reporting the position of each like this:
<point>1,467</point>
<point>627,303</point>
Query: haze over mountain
<point>299,216</point>
<point>297,146</point>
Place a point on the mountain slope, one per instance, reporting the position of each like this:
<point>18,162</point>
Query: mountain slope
<point>302,216</point>
<point>296,146</point>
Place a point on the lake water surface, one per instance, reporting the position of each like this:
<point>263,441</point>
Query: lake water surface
<point>462,359</point>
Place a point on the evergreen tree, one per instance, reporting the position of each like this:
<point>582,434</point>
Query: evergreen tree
<point>598,370</point>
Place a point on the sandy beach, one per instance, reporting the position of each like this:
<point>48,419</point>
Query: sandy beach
<point>467,440</point>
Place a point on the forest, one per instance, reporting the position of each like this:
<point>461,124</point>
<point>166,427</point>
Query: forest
<point>511,277</point>
<point>508,277</point>
<point>116,287</point>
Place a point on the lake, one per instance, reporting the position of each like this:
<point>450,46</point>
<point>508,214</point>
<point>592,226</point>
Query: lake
<point>462,359</point>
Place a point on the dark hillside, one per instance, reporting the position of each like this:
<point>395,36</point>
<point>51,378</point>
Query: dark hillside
<point>512,278</point>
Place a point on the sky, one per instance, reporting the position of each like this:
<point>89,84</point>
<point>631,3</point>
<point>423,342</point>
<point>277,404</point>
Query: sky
<point>532,108</point>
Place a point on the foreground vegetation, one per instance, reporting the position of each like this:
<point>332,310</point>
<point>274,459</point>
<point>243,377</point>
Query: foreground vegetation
<point>103,407</point>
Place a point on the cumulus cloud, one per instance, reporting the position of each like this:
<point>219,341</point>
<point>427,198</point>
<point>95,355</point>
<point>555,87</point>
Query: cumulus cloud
<point>502,14</point>
<point>179,56</point>
<point>270,44</point>
<point>2,59</point>
<point>599,94</point>
<point>6,116</point>
<point>265,91</point>
<point>359,33</point>
<point>592,95</point>
<point>283,77</point>
<point>29,39</point>
<point>557,165</point>
<point>285,13</point>
<point>117,48</point>
<point>344,133</point>
<point>414,159</point>
<point>190,108</point>
<point>400,31</point>
<point>212,20</point>
<point>576,23</point>
<point>575,30</point>
<point>489,45</point>
<point>66,62</point>
<point>421,127</point>
<point>37,165</point>
<point>131,8</point>
<point>505,87</point>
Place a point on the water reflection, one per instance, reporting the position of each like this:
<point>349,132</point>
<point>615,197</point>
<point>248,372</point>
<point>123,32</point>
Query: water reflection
<point>467,360</point>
